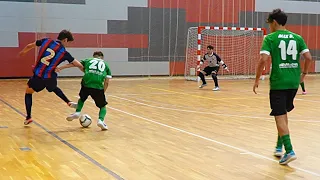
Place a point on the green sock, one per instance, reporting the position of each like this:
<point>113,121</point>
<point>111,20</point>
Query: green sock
<point>279,143</point>
<point>302,86</point>
<point>80,105</point>
<point>287,143</point>
<point>102,113</point>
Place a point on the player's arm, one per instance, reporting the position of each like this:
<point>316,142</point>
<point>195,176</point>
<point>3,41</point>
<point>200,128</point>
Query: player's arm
<point>202,59</point>
<point>220,61</point>
<point>73,61</point>
<point>264,56</point>
<point>106,81</point>
<point>307,59</point>
<point>77,64</point>
<point>30,46</point>
<point>66,66</point>
<point>106,84</point>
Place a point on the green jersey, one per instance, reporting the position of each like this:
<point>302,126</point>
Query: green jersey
<point>285,48</point>
<point>95,72</point>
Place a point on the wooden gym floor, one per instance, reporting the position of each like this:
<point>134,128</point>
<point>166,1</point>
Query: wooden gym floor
<point>158,129</point>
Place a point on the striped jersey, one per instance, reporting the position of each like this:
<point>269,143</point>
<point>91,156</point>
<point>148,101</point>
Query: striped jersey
<point>50,55</point>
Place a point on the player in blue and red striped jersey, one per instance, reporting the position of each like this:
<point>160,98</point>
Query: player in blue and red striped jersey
<point>51,54</point>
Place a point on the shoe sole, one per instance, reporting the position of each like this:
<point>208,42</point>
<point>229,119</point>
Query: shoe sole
<point>29,122</point>
<point>278,154</point>
<point>289,160</point>
<point>102,127</point>
<point>71,118</point>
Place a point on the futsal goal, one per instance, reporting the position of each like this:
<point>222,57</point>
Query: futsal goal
<point>238,47</point>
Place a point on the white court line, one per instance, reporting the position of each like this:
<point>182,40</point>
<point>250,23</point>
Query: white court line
<point>218,114</point>
<point>111,94</point>
<point>307,100</point>
<point>67,79</point>
<point>211,140</point>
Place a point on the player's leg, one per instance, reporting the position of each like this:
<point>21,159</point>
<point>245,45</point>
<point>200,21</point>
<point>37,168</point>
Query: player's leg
<point>100,101</point>
<point>35,84</point>
<point>84,93</point>
<point>303,88</point>
<point>202,75</point>
<point>278,101</point>
<point>215,78</point>
<point>51,85</point>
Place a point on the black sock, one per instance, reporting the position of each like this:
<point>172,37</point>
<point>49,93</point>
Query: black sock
<point>59,93</point>
<point>28,103</point>
<point>215,79</point>
<point>202,78</point>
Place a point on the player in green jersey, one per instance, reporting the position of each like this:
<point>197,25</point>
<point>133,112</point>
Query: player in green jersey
<point>285,48</point>
<point>94,83</point>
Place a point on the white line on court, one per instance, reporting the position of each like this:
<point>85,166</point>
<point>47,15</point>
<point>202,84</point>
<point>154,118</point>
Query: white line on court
<point>212,140</point>
<point>201,112</point>
<point>209,139</point>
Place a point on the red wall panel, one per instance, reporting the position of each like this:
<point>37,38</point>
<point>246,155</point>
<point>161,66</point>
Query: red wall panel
<point>13,66</point>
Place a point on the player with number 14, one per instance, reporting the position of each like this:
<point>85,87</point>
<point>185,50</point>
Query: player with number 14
<point>285,48</point>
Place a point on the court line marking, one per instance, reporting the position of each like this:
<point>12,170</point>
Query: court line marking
<point>116,176</point>
<point>202,97</point>
<point>201,112</point>
<point>307,100</point>
<point>137,94</point>
<point>211,140</point>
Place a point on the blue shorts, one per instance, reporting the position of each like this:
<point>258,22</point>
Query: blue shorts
<point>38,83</point>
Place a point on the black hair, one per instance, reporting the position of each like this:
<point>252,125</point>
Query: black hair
<point>65,34</point>
<point>210,47</point>
<point>98,54</point>
<point>279,16</point>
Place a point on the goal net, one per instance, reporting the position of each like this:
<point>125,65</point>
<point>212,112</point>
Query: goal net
<point>238,47</point>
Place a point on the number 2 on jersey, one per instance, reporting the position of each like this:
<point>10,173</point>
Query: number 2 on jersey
<point>95,64</point>
<point>291,50</point>
<point>45,59</point>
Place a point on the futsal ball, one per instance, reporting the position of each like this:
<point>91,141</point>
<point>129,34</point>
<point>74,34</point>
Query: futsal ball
<point>85,120</point>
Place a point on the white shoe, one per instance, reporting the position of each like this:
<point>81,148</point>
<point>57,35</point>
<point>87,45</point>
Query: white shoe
<point>72,105</point>
<point>73,116</point>
<point>203,85</point>
<point>216,89</point>
<point>102,125</point>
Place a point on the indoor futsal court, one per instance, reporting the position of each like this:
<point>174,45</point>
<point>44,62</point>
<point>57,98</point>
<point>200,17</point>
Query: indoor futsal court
<point>158,129</point>
<point>159,90</point>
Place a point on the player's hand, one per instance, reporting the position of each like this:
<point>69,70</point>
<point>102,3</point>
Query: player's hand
<point>227,70</point>
<point>255,86</point>
<point>57,70</point>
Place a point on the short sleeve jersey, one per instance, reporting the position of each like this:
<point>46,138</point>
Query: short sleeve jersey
<point>95,72</point>
<point>285,49</point>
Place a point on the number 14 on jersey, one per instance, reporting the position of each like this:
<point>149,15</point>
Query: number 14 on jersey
<point>291,50</point>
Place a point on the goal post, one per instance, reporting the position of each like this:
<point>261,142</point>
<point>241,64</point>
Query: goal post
<point>238,47</point>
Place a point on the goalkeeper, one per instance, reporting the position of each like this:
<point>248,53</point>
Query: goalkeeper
<point>214,62</point>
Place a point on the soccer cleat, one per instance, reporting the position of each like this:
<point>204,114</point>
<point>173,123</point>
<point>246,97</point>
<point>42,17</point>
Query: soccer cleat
<point>286,158</point>
<point>278,152</point>
<point>73,116</point>
<point>203,85</point>
<point>28,121</point>
<point>304,92</point>
<point>216,89</point>
<point>102,125</point>
<point>72,105</point>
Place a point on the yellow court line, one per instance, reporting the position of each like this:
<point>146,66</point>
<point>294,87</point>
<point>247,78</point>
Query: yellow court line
<point>203,97</point>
